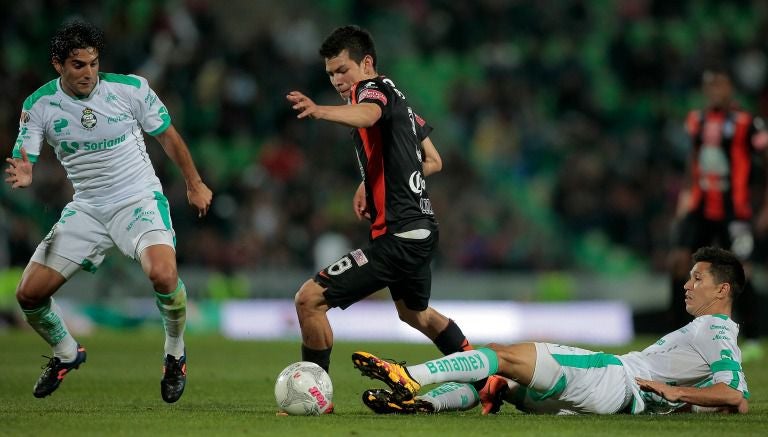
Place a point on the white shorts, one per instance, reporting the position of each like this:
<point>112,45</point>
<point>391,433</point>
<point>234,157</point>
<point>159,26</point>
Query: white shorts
<point>85,232</point>
<point>587,382</point>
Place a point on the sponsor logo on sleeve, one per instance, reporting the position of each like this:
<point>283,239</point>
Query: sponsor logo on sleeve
<point>370,94</point>
<point>24,117</point>
<point>150,98</point>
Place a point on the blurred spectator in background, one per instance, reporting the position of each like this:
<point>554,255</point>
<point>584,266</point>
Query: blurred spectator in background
<point>715,209</point>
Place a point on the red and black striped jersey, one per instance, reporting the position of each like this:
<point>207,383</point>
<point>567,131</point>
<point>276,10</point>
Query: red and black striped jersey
<point>390,157</point>
<point>724,142</point>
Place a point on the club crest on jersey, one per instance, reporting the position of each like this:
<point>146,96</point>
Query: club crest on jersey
<point>88,120</point>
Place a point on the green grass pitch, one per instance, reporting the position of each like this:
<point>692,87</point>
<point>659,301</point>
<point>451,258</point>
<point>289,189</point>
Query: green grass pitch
<point>230,392</point>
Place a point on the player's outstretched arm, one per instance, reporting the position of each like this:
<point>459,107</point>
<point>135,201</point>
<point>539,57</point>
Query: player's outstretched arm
<point>198,194</point>
<point>19,171</point>
<point>359,115</point>
<point>717,395</point>
<point>432,161</point>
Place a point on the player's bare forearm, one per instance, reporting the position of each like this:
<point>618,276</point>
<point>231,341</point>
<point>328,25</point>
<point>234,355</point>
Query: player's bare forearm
<point>178,152</point>
<point>198,194</point>
<point>432,162</point>
<point>359,115</point>
<point>717,395</point>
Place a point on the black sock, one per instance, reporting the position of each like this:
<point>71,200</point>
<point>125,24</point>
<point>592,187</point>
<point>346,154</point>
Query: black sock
<point>678,316</point>
<point>745,313</point>
<point>320,357</point>
<point>451,339</point>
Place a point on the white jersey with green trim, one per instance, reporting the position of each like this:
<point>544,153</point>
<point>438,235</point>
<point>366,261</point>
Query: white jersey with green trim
<point>701,353</point>
<point>98,139</point>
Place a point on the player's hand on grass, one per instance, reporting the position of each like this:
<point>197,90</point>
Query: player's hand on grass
<point>19,171</point>
<point>199,196</point>
<point>664,390</point>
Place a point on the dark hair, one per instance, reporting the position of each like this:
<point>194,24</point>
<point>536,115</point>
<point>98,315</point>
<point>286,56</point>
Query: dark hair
<point>716,69</point>
<point>724,266</point>
<point>75,34</point>
<point>356,40</point>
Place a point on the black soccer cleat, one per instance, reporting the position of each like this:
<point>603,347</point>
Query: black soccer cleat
<point>54,373</point>
<point>174,378</point>
<point>382,401</point>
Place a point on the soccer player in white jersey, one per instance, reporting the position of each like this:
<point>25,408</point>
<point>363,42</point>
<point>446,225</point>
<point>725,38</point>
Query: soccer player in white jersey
<point>94,123</point>
<point>696,368</point>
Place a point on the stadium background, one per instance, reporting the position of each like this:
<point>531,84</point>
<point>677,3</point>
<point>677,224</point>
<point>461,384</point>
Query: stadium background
<point>559,123</point>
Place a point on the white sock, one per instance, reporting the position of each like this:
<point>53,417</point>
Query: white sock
<point>468,366</point>
<point>48,321</point>
<point>173,310</point>
<point>452,396</point>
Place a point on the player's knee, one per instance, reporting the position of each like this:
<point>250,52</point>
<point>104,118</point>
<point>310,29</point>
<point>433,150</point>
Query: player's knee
<point>308,298</point>
<point>26,298</point>
<point>164,277</point>
<point>494,347</point>
<point>416,319</point>
<point>511,355</point>
<point>30,295</point>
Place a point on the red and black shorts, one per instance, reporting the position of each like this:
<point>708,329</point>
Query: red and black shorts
<point>401,264</point>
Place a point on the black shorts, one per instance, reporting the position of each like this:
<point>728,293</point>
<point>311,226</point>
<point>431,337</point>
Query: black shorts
<point>695,231</point>
<point>401,264</point>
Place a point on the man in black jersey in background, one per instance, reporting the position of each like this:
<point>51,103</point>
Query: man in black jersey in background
<point>394,153</point>
<point>715,208</point>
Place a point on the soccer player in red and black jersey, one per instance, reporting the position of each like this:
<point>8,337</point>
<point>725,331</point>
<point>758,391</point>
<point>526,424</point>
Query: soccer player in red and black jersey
<point>394,153</point>
<point>716,208</point>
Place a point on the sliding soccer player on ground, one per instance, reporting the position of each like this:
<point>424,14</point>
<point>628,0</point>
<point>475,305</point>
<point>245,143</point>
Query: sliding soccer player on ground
<point>696,367</point>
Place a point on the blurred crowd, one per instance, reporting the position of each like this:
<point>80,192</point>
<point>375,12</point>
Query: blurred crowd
<point>560,122</point>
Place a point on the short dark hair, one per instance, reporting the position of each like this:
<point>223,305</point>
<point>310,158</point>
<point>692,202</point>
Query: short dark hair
<point>75,34</point>
<point>724,266</point>
<point>716,69</point>
<point>356,40</point>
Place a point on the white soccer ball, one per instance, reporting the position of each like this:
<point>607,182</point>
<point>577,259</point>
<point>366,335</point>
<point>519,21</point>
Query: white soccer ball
<point>304,389</point>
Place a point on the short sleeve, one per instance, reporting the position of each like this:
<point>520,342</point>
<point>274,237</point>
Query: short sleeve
<point>31,134</point>
<point>423,129</point>
<point>150,112</point>
<point>370,91</point>
<point>716,343</point>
